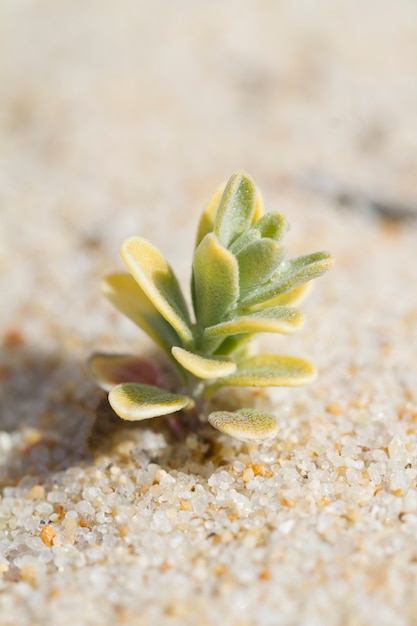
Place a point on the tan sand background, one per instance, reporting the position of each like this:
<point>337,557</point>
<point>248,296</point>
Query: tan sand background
<point>121,118</point>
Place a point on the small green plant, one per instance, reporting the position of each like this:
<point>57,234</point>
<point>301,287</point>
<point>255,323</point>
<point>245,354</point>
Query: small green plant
<point>241,285</point>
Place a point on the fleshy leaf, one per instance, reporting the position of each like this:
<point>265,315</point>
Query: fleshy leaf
<point>128,297</point>
<point>206,223</point>
<point>215,281</point>
<point>259,206</point>
<point>204,367</point>
<point>234,345</point>
<point>236,210</point>
<point>269,226</point>
<point>139,402</point>
<point>110,370</point>
<point>270,370</point>
<point>277,319</point>
<point>291,298</point>
<point>272,226</point>
<point>257,263</point>
<point>245,424</point>
<point>157,279</point>
<point>295,273</point>
<point>208,217</point>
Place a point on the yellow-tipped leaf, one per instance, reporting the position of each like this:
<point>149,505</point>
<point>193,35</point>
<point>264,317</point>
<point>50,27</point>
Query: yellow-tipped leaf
<point>296,272</point>
<point>215,281</point>
<point>156,278</point>
<point>139,402</point>
<point>236,210</point>
<point>269,226</point>
<point>295,297</point>
<point>208,217</point>
<point>272,320</point>
<point>271,370</point>
<point>129,298</point>
<point>204,367</point>
<point>245,424</point>
<point>206,223</point>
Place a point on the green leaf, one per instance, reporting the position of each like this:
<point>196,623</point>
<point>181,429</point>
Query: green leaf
<point>257,263</point>
<point>159,283</point>
<point>295,273</point>
<point>246,239</point>
<point>277,319</point>
<point>110,370</point>
<point>245,424</point>
<point>215,282</point>
<point>290,298</point>
<point>206,223</point>
<point>236,345</point>
<point>269,370</point>
<point>272,226</point>
<point>208,217</point>
<point>124,292</point>
<point>269,226</point>
<point>236,210</point>
<point>134,402</point>
<point>204,367</point>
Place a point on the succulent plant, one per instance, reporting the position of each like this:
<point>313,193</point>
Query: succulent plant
<point>241,285</point>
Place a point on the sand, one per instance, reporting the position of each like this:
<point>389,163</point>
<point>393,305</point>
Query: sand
<point>121,119</point>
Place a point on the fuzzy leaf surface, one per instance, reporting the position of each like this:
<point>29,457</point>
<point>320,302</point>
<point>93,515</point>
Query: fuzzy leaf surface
<point>206,223</point>
<point>235,345</point>
<point>110,370</point>
<point>270,370</point>
<point>236,210</point>
<point>157,279</point>
<point>257,263</point>
<point>215,281</point>
<point>245,424</point>
<point>204,367</point>
<point>290,298</point>
<point>297,272</point>
<point>269,226</point>
<point>134,402</point>
<point>129,298</point>
<point>277,319</point>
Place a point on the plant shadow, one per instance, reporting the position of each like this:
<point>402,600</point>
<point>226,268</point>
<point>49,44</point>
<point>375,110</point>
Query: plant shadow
<point>168,441</point>
<point>53,417</point>
<point>174,442</point>
<point>46,411</point>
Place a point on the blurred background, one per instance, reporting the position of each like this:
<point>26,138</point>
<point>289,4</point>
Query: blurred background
<point>121,118</point>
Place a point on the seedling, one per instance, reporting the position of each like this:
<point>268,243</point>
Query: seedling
<point>241,285</point>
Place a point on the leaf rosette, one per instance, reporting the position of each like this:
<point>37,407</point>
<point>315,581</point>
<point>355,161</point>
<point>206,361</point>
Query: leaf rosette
<point>241,285</point>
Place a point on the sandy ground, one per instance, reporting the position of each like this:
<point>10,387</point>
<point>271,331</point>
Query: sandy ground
<point>122,118</point>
